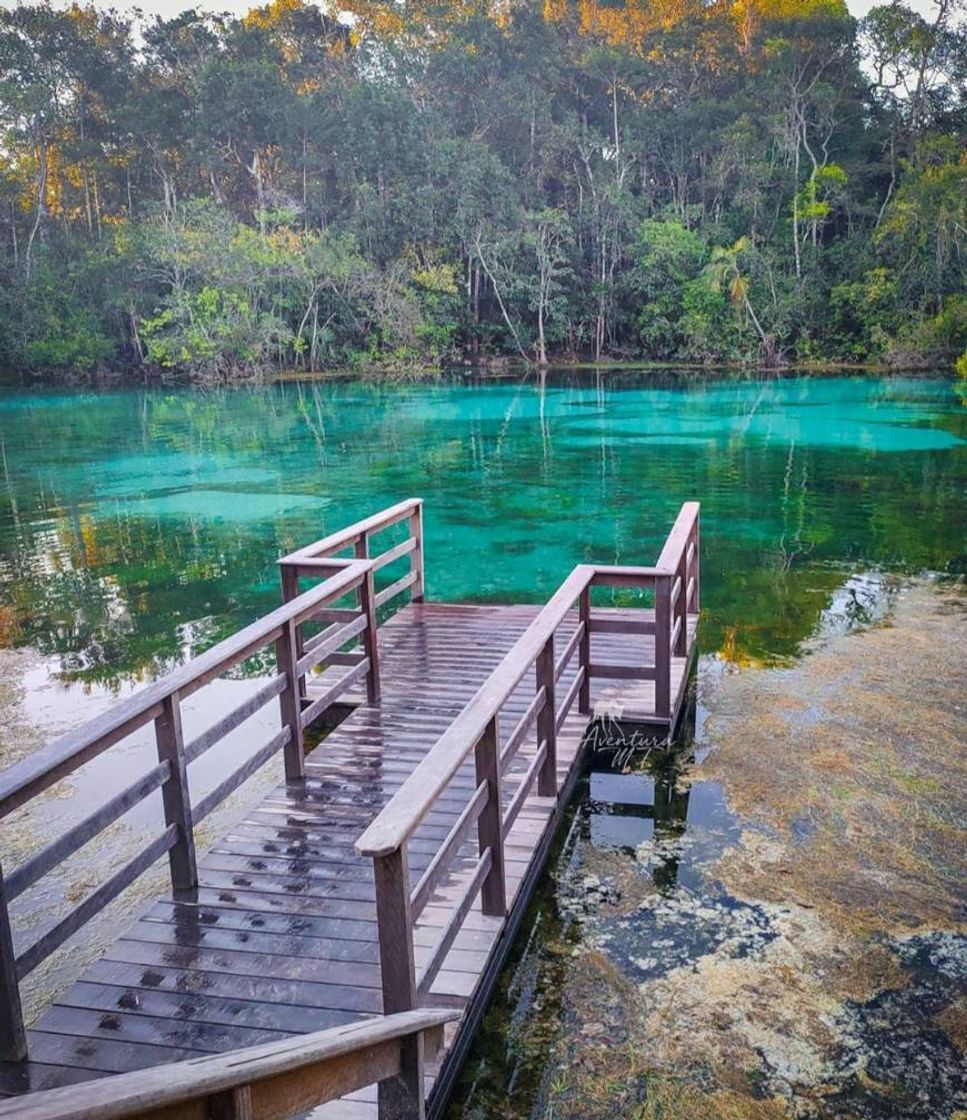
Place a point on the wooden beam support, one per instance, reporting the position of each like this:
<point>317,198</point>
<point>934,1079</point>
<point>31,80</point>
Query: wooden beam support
<point>696,605</point>
<point>361,552</point>
<point>175,795</point>
<point>547,719</point>
<point>417,561</point>
<point>13,1037</point>
<point>233,1104</point>
<point>290,701</point>
<point>370,637</point>
<point>400,1096</point>
<point>493,894</point>
<point>584,651</point>
<point>663,666</point>
<point>290,591</point>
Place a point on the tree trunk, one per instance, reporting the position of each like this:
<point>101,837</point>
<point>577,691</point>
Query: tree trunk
<point>795,213</point>
<point>500,301</point>
<point>42,172</point>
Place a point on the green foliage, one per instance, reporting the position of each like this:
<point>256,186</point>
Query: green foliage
<point>866,313</point>
<point>213,332</point>
<point>216,197</point>
<point>824,187</point>
<point>45,325</point>
<point>668,259</point>
<point>923,232</point>
<point>708,327</point>
<point>439,293</point>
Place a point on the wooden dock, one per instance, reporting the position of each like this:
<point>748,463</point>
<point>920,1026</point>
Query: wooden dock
<point>384,877</point>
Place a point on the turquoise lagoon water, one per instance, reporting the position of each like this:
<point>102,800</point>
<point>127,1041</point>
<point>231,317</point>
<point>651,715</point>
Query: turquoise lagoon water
<point>139,526</point>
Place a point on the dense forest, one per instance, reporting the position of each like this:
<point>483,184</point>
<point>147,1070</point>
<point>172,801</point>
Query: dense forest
<point>414,183</point>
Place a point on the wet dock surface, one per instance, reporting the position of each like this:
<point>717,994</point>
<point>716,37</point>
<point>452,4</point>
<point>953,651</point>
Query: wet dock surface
<point>280,936</point>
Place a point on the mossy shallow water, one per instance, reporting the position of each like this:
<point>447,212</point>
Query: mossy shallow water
<point>786,937</point>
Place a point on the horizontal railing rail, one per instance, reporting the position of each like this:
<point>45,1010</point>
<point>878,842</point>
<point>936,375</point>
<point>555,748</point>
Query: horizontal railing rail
<point>407,808</point>
<point>160,704</point>
<point>477,729</point>
<point>273,1081</point>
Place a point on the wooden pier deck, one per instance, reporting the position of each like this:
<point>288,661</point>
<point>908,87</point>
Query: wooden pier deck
<point>387,873</point>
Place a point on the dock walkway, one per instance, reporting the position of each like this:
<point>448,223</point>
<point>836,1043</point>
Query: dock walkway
<point>389,870</point>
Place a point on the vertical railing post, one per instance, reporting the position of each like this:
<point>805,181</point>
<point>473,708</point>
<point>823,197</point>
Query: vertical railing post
<point>367,604</point>
<point>584,651</point>
<point>663,667</point>
<point>680,610</point>
<point>416,556</point>
<point>696,603</point>
<point>290,706</point>
<point>366,598</point>
<point>490,831</point>
<point>400,1096</point>
<point>13,1037</point>
<point>231,1104</point>
<point>547,720</point>
<point>361,552</point>
<point>290,591</point>
<point>174,794</point>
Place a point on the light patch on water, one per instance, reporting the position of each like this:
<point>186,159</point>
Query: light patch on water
<point>214,505</point>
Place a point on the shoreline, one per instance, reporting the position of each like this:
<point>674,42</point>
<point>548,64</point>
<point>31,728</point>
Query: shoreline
<point>491,370</point>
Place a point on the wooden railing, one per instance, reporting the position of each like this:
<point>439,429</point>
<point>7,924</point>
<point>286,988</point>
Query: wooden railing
<point>560,635</point>
<point>160,703</point>
<point>320,558</point>
<point>274,1081</point>
<point>476,730</point>
<point>322,555</point>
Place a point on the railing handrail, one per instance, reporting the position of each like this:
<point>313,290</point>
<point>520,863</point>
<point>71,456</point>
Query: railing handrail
<point>344,538</point>
<point>404,811</point>
<point>129,1095</point>
<point>414,799</point>
<point>477,730</point>
<point>677,540</point>
<point>32,775</point>
<point>161,702</point>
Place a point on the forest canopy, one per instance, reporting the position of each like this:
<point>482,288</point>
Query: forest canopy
<point>747,181</point>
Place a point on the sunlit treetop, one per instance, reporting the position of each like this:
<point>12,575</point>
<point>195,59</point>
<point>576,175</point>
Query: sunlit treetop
<point>431,19</point>
<point>627,23</point>
<point>294,25</point>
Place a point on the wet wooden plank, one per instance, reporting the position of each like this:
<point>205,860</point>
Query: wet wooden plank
<point>233,985</point>
<point>203,1008</point>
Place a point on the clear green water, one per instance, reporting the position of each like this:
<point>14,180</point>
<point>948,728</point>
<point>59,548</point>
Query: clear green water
<point>139,526</point>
